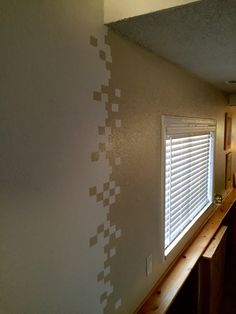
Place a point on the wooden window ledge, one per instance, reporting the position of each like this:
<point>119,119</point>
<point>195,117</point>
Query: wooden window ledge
<point>165,291</point>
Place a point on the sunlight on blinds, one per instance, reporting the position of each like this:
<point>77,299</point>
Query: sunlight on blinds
<point>188,179</point>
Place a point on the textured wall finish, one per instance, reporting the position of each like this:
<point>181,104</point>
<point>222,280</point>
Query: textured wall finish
<point>150,87</point>
<point>80,155</point>
<point>199,36</point>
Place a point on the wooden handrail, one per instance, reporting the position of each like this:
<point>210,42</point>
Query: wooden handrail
<point>165,291</point>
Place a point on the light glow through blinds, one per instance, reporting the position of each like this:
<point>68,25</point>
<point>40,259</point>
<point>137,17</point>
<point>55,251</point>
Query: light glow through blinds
<point>188,179</point>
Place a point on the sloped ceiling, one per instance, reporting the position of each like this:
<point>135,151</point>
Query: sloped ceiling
<point>200,37</point>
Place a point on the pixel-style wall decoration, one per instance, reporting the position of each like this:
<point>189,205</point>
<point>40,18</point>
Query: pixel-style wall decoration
<point>106,196</point>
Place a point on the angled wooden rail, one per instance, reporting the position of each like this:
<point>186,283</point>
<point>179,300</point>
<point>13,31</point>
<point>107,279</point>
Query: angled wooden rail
<point>165,291</point>
<point>211,274</point>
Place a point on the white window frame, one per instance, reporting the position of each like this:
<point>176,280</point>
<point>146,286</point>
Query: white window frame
<point>186,126</point>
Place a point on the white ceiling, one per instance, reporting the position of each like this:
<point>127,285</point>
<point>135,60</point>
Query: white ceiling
<point>200,37</point>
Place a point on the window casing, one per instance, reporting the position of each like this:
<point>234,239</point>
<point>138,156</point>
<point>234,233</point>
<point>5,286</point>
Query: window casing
<point>188,174</point>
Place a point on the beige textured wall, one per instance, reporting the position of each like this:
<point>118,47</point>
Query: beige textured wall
<point>150,87</point>
<point>53,252</point>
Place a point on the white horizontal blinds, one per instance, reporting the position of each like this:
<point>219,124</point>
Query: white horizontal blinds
<point>188,173</point>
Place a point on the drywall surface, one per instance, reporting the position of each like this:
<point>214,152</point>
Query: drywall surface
<point>80,155</point>
<point>123,9</point>
<point>150,88</point>
<point>56,187</point>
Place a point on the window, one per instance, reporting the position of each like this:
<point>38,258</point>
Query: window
<point>188,173</point>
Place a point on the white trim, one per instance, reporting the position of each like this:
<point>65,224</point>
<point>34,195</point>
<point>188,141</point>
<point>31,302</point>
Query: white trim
<point>163,166</point>
<point>177,127</point>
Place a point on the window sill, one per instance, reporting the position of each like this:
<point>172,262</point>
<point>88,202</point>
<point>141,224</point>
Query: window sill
<point>166,289</point>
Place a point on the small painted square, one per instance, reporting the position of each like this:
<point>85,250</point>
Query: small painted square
<point>112,237</point>
<point>106,194</point>
<point>118,123</point>
<point>97,96</point>
<point>107,279</point>
<point>93,41</point>
<point>118,304</point>
<point>109,158</point>
<point>108,131</point>
<point>117,161</point>
<point>102,55</point>
<point>100,229</point>
<point>112,229</point>
<point>104,303</point>
<point>112,252</point>
<point>110,290</point>
<point>108,66</point>
<point>112,184</point>
<point>105,256</point>
<point>102,147</point>
<point>112,192</point>
<point>115,107</point>
<point>93,241</point>
<point>95,156</point>
<point>106,209</point>
<point>99,197</point>
<point>101,130</point>
<point>105,89</point>
<point>92,191</point>
<point>118,233</point>
<point>104,98</point>
<point>117,190</point>
<point>102,155</point>
<point>117,92</point>
<point>106,233</point>
<point>100,276</point>
<point>112,199</point>
<point>109,146</point>
<point>106,202</point>
<point>106,186</point>
<point>106,241</point>
<point>107,271</point>
<point>106,248</point>
<point>109,58</point>
<point>106,115</point>
<point>103,297</point>
<point>106,264</point>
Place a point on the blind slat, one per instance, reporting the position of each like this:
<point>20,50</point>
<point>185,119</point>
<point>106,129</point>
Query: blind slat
<point>185,175</point>
<point>179,194</point>
<point>186,166</point>
<point>177,208</point>
<point>176,177</point>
